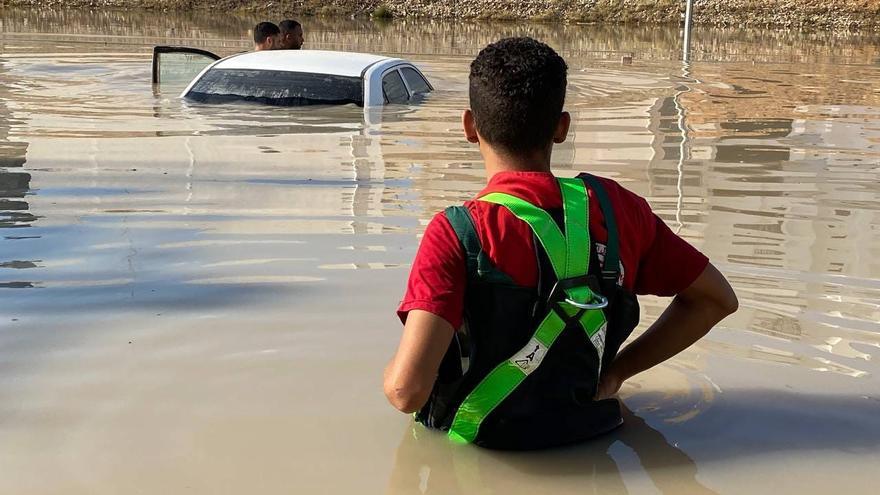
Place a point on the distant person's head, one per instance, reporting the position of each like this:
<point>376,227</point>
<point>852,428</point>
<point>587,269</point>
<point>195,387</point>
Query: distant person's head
<point>517,89</point>
<point>266,35</point>
<point>291,35</point>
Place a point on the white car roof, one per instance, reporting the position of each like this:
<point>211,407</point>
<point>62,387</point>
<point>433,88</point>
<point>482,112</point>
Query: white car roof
<point>311,61</point>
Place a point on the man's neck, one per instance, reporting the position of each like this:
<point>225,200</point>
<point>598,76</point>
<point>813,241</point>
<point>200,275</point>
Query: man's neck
<point>495,161</point>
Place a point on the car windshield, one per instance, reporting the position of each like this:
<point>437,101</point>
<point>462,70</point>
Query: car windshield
<point>275,87</point>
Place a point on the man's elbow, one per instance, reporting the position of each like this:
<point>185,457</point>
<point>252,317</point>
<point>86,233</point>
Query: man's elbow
<point>405,399</point>
<point>726,303</point>
<point>731,303</point>
<point>713,288</point>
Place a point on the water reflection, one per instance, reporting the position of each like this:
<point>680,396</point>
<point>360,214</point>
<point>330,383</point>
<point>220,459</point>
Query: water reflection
<point>236,174</point>
<point>14,184</point>
<point>426,462</point>
<point>14,209</point>
<point>769,181</point>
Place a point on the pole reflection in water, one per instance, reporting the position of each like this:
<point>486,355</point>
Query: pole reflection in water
<point>15,186</point>
<point>684,151</point>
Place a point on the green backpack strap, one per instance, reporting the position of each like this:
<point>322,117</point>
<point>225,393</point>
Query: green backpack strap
<point>463,225</point>
<point>568,253</point>
<point>479,266</point>
<point>611,268</point>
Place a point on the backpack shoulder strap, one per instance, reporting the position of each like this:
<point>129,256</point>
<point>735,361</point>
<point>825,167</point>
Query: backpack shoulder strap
<point>460,219</point>
<point>611,268</point>
<point>479,266</point>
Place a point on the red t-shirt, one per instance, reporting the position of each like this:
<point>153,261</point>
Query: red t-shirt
<point>654,259</point>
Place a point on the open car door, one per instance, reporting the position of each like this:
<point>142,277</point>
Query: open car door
<point>179,64</point>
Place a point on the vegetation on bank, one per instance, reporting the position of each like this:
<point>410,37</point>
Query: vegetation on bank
<point>382,12</point>
<point>810,14</point>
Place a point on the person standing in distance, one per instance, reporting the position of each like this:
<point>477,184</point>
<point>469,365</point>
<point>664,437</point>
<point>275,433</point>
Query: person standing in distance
<point>291,37</point>
<point>266,36</point>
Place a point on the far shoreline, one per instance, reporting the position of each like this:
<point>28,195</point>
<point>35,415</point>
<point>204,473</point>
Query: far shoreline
<point>808,15</point>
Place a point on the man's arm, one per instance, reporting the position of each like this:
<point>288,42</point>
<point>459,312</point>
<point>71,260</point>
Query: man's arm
<point>410,376</point>
<point>691,315</point>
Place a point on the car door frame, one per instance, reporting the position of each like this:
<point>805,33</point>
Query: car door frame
<point>374,95</point>
<point>399,69</point>
<point>385,73</point>
<point>406,83</point>
<point>160,49</point>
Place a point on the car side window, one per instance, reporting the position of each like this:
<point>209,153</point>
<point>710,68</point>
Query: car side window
<point>395,90</point>
<point>284,88</point>
<point>415,81</point>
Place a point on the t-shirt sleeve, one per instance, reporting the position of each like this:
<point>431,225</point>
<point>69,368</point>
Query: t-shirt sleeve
<point>438,276</point>
<point>670,264</point>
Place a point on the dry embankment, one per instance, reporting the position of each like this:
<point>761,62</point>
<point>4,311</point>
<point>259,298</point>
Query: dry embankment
<point>810,14</point>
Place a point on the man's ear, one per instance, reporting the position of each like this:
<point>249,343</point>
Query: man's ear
<point>470,126</point>
<point>562,128</point>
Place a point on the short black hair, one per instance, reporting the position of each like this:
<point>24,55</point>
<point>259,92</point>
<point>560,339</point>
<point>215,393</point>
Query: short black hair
<point>263,30</point>
<point>288,25</point>
<point>517,89</point>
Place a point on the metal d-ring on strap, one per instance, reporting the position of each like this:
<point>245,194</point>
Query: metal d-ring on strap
<point>602,302</point>
<point>569,255</point>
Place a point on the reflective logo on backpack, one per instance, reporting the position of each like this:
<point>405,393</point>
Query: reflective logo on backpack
<point>598,340</point>
<point>529,357</point>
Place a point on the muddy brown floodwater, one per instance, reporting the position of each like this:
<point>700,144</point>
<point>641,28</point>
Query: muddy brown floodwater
<point>200,299</point>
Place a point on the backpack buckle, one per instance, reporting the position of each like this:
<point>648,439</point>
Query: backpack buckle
<point>600,302</point>
<point>557,293</point>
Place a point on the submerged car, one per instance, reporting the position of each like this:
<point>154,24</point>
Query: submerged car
<point>291,77</point>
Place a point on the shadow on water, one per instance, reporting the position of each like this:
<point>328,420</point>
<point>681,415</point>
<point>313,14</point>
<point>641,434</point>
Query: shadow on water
<point>741,424</point>
<point>443,467</point>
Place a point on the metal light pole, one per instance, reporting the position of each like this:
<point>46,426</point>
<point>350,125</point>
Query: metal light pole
<point>688,24</point>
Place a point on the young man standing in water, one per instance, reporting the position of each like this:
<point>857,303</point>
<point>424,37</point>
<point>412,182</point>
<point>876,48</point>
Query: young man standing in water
<point>291,37</point>
<point>266,36</point>
<point>543,273</point>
